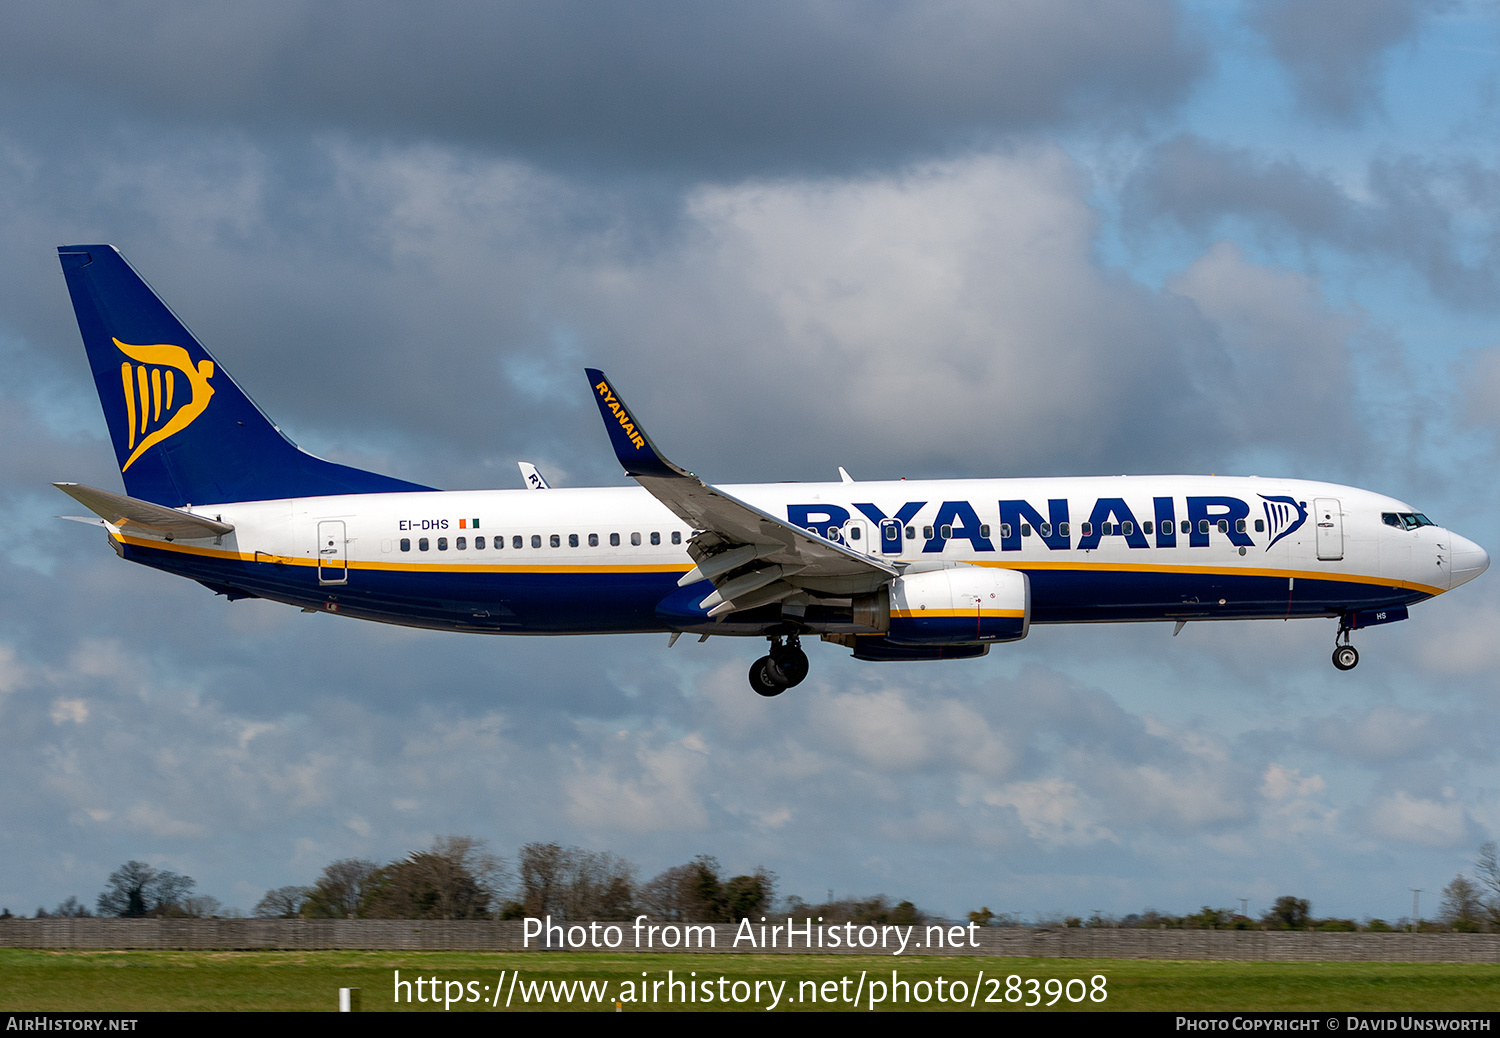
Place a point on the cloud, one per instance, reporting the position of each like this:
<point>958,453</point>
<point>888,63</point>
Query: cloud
<point>1283,345</point>
<point>1420,820</point>
<point>1054,812</point>
<point>660,85</point>
<point>1465,644</point>
<point>1433,216</point>
<point>1332,49</point>
<point>1386,734</point>
<point>640,788</point>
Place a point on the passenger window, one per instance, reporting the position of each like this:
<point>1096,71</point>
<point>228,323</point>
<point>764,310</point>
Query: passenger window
<point>422,544</point>
<point>984,529</point>
<point>555,541</point>
<point>676,536</point>
<point>614,540</point>
<point>461,543</point>
<point>1223,525</point>
<point>1106,529</point>
<point>927,533</point>
<point>406,544</point>
<point>1062,528</point>
<point>854,533</point>
<point>1239,526</point>
<point>1128,528</point>
<point>635,539</point>
<point>1202,525</point>
<point>572,540</point>
<point>442,544</point>
<point>1025,529</point>
<point>593,540</point>
<point>1187,527</point>
<point>479,543</point>
<point>911,533</point>
<point>1087,529</point>
<point>515,542</point>
<point>1260,526</point>
<point>536,540</point>
<point>1005,529</point>
<point>1046,529</point>
<point>655,537</point>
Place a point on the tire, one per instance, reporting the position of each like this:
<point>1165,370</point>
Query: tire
<point>793,665</point>
<point>763,676</point>
<point>1346,657</point>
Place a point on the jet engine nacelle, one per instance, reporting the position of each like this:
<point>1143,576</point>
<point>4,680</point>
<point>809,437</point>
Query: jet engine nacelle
<point>961,605</point>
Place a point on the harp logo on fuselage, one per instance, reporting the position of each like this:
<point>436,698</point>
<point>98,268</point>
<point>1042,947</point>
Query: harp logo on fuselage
<point>156,408</point>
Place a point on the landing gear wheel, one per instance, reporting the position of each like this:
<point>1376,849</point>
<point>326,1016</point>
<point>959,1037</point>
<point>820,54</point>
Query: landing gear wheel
<point>792,663</point>
<point>764,677</point>
<point>1345,657</point>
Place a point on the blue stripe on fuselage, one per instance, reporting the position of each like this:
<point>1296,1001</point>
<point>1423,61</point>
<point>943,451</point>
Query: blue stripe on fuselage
<point>592,602</point>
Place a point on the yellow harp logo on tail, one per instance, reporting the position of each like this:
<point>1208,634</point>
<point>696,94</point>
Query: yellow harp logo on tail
<point>151,389</point>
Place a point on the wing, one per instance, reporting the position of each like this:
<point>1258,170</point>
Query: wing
<point>120,511</point>
<point>751,557</point>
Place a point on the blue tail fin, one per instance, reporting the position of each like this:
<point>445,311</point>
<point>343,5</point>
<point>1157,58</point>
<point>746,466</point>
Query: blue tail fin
<point>184,433</point>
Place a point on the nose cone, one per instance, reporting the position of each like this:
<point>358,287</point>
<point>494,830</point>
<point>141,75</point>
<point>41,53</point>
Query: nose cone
<point>1469,560</point>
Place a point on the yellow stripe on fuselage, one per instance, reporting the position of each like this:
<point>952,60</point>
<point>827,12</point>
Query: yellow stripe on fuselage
<point>395,567</point>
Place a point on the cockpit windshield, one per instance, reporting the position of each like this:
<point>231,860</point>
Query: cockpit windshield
<point>1405,520</point>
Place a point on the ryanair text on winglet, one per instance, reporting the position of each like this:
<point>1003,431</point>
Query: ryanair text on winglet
<point>618,409</point>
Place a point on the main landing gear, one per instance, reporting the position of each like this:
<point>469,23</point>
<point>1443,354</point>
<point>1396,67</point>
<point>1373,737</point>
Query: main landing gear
<point>785,666</point>
<point>1345,656</point>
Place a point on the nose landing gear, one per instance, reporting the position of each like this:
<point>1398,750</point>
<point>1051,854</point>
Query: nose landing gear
<point>1345,656</point>
<point>784,667</point>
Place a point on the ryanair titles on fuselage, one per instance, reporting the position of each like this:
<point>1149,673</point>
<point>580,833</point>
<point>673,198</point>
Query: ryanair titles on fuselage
<point>1165,523</point>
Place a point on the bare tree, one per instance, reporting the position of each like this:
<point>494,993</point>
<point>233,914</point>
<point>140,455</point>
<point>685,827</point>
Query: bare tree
<point>201,906</point>
<point>1462,907</point>
<point>572,883</point>
<point>340,890</point>
<point>695,892</point>
<point>456,879</point>
<point>137,889</point>
<point>72,908</point>
<point>282,903</point>
<point>1489,879</point>
<point>542,868</point>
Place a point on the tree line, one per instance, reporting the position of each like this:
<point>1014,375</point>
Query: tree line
<point>458,878</point>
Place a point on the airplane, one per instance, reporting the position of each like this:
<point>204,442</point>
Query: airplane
<point>893,570</point>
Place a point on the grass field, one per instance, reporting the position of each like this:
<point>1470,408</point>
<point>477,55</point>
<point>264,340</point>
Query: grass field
<point>239,981</point>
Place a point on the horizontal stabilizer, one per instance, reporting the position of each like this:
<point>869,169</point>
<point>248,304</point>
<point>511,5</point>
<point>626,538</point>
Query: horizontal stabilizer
<point>121,512</point>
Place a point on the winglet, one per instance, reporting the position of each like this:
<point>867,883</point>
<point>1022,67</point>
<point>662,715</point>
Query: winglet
<point>533,479</point>
<point>632,446</point>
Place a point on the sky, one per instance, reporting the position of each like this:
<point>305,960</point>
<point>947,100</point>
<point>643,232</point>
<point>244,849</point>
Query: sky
<point>1032,238</point>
